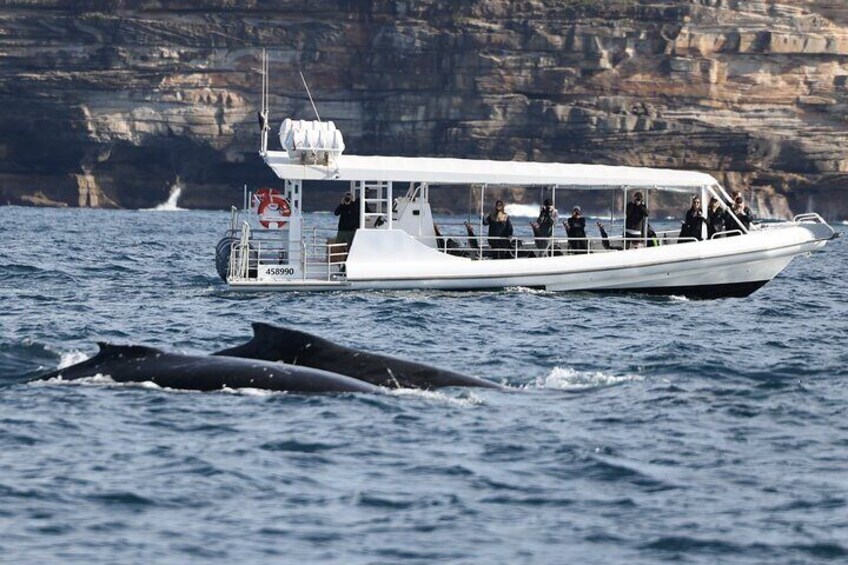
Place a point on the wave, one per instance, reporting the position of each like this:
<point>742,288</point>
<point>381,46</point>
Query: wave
<point>19,361</point>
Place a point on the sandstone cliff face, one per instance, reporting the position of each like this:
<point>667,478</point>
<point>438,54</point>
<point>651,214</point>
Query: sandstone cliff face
<point>112,102</point>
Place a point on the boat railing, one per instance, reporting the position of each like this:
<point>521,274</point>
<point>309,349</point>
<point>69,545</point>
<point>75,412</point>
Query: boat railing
<point>809,217</point>
<point>243,261</point>
<point>321,259</point>
<point>485,247</point>
<point>726,233</point>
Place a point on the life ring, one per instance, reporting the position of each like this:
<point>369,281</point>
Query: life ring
<point>272,207</point>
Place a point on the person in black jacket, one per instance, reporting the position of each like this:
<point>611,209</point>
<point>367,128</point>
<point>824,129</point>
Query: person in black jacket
<point>500,229</point>
<point>348,213</point>
<point>543,227</point>
<point>740,211</point>
<point>692,225</point>
<point>575,228</point>
<point>715,218</point>
<point>636,215</point>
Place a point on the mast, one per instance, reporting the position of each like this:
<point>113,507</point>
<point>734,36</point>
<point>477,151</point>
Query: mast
<point>263,110</point>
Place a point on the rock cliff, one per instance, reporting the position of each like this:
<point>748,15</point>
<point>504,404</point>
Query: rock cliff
<point>113,102</point>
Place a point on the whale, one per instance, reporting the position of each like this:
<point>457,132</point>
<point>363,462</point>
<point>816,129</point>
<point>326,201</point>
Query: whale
<point>137,363</point>
<point>295,347</point>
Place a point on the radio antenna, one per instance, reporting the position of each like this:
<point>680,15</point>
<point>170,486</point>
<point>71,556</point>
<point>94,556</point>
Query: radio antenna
<point>306,86</point>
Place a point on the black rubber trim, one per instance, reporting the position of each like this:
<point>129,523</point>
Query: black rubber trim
<point>729,290</point>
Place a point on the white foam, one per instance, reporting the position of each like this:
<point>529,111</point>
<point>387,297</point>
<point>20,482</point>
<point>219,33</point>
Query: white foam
<point>567,378</point>
<point>468,398</point>
<point>98,379</point>
<point>169,205</point>
<point>71,358</point>
<point>678,298</point>
<point>526,290</point>
<point>247,391</point>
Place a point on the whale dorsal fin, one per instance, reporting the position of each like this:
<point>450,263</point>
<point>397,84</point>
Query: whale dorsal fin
<point>125,351</point>
<point>266,333</point>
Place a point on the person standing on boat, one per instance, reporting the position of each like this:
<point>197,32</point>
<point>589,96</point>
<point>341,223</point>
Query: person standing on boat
<point>543,227</point>
<point>348,213</point>
<point>739,211</point>
<point>692,225</point>
<point>636,216</point>
<point>500,227</point>
<point>715,218</point>
<point>575,228</point>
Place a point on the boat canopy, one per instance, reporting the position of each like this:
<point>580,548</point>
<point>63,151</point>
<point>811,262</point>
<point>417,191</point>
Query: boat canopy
<point>444,171</point>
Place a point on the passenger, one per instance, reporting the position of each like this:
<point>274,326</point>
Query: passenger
<point>653,238</point>
<point>715,218</point>
<point>543,227</point>
<point>446,244</point>
<point>733,196</point>
<point>575,229</point>
<point>348,213</point>
<point>636,216</point>
<point>740,211</point>
<point>500,229</point>
<point>605,238</point>
<point>472,237</point>
<point>692,226</point>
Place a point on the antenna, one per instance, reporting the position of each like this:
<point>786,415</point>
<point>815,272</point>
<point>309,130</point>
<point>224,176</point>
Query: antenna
<point>306,86</point>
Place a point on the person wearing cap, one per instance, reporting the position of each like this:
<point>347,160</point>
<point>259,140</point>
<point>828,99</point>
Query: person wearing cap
<point>575,228</point>
<point>635,218</point>
<point>348,213</point>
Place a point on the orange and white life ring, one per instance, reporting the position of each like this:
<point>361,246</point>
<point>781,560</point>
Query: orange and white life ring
<point>272,208</point>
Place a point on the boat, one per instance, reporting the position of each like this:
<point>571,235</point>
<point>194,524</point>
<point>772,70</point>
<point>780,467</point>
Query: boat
<point>397,245</point>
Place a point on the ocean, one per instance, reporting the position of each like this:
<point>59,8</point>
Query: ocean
<point>635,429</point>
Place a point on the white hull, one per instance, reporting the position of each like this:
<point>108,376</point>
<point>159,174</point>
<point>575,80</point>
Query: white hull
<point>733,266</point>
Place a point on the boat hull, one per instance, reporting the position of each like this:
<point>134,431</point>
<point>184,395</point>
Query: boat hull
<point>735,266</point>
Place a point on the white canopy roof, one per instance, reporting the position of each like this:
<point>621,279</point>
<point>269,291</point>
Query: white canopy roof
<point>441,171</point>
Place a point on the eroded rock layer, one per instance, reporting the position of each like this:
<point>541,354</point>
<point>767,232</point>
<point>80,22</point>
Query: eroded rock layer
<point>113,102</point>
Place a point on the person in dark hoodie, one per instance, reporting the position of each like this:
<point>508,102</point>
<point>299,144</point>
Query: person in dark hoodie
<point>500,229</point>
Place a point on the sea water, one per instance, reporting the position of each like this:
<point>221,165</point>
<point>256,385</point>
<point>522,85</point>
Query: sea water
<point>634,429</point>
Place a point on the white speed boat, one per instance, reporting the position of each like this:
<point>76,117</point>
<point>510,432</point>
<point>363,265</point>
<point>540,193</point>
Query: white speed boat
<point>398,246</point>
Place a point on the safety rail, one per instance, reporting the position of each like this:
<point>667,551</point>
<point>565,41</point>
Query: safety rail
<point>726,233</point>
<point>252,250</point>
<point>484,247</point>
<point>809,217</point>
<point>323,259</point>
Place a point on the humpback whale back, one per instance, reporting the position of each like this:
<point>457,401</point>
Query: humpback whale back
<point>134,363</point>
<point>271,343</point>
